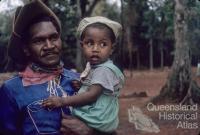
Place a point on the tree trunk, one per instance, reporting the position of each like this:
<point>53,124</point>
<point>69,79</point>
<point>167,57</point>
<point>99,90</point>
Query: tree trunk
<point>130,50</point>
<point>138,58</point>
<point>161,56</point>
<point>162,35</point>
<point>79,65</point>
<point>122,35</point>
<point>180,87</point>
<point>151,54</point>
<point>131,22</point>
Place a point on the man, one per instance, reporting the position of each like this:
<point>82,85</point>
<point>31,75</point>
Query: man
<point>35,44</point>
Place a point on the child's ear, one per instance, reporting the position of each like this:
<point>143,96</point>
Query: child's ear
<point>113,48</point>
<point>81,43</point>
<point>111,52</point>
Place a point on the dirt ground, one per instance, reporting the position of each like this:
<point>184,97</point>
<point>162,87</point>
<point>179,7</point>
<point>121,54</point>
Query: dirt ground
<point>138,91</point>
<point>150,82</point>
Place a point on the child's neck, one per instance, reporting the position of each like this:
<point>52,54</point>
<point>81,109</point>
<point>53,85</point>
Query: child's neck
<point>94,65</point>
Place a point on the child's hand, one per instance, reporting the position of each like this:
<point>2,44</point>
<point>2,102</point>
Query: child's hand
<point>52,102</point>
<point>76,85</point>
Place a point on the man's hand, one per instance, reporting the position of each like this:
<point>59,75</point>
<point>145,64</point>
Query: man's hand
<point>71,125</point>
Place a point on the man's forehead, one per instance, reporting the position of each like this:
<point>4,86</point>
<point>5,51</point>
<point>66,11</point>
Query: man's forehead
<point>44,28</point>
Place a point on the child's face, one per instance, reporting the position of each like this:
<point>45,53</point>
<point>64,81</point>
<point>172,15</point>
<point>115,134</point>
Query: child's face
<point>96,45</point>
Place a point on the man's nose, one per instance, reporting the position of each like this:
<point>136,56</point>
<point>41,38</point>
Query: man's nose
<point>48,44</point>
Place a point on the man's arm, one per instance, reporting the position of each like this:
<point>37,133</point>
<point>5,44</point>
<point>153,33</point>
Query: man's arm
<point>73,126</point>
<point>9,114</point>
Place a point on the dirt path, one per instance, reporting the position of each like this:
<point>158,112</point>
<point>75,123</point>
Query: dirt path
<point>151,82</point>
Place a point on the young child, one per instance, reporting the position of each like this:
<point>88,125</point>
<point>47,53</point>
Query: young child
<point>97,100</point>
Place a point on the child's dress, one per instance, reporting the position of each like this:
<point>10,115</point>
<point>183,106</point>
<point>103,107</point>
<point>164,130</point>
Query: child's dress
<point>102,115</point>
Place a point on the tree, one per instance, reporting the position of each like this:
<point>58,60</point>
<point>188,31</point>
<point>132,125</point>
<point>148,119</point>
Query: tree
<point>151,22</point>
<point>166,31</point>
<point>158,21</point>
<point>132,15</point>
<point>194,28</point>
<point>6,14</point>
<point>180,87</point>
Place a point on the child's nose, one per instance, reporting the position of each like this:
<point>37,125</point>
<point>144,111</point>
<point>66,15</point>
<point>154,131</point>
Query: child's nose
<point>95,47</point>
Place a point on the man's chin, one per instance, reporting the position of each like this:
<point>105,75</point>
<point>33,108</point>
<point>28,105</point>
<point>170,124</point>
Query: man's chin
<point>50,64</point>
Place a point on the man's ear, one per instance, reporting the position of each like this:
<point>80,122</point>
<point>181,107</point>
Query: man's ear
<point>26,51</point>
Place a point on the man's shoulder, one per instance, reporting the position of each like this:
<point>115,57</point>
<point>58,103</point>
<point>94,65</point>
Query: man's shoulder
<point>12,82</point>
<point>70,74</point>
<point>15,78</point>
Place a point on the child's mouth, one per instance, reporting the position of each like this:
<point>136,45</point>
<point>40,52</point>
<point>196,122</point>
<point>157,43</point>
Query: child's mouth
<point>94,58</point>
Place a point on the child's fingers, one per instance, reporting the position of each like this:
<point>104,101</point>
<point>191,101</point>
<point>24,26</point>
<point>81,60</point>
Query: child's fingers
<point>51,102</point>
<point>76,84</point>
<point>46,103</point>
<point>48,100</point>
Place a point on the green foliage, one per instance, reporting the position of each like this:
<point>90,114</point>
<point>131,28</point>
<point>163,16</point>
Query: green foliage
<point>110,11</point>
<point>159,19</point>
<point>66,10</point>
<point>5,31</point>
<point>5,28</point>
<point>194,28</point>
<point>148,19</point>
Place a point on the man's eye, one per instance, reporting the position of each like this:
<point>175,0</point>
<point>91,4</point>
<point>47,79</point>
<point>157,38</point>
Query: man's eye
<point>54,37</point>
<point>37,41</point>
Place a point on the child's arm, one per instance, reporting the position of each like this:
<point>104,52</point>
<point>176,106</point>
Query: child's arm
<point>81,99</point>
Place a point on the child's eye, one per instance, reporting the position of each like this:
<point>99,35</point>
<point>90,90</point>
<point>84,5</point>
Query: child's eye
<point>102,44</point>
<point>89,44</point>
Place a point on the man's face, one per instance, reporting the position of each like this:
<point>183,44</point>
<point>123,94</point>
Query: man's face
<point>44,44</point>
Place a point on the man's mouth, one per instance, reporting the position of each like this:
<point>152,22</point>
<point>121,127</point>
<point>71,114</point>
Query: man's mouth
<point>49,54</point>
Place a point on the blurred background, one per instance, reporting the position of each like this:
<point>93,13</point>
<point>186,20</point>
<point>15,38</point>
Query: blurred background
<point>147,41</point>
